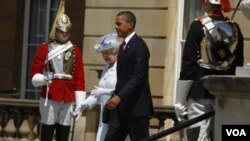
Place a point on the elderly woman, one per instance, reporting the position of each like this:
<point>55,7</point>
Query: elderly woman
<point>108,45</point>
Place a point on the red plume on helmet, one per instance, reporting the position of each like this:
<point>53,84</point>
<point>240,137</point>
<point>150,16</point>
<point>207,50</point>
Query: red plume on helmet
<point>225,5</point>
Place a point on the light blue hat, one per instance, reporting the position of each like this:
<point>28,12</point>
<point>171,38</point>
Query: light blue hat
<point>107,41</point>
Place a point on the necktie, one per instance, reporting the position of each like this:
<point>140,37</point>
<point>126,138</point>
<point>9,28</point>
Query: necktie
<point>121,48</point>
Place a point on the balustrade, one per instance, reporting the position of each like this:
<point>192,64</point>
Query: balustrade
<point>19,119</point>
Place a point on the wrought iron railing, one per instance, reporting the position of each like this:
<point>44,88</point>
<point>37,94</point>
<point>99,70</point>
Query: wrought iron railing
<point>179,126</point>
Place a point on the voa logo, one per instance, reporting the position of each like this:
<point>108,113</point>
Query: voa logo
<point>236,132</point>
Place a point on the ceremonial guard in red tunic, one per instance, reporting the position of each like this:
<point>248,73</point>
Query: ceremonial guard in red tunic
<point>58,68</point>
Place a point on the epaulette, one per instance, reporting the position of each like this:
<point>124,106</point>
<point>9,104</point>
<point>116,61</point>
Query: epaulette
<point>229,20</point>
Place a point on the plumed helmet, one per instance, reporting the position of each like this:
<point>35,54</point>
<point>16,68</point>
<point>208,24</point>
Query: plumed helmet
<point>59,15</point>
<point>214,1</point>
<point>107,41</point>
<point>63,23</point>
<point>225,4</point>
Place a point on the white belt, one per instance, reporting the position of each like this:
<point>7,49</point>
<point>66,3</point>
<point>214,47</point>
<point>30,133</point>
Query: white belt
<point>56,76</point>
<point>62,76</point>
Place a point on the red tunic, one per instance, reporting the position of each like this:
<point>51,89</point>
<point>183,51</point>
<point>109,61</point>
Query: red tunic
<point>60,89</point>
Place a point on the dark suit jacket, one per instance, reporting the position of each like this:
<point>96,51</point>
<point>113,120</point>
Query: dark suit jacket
<point>132,80</point>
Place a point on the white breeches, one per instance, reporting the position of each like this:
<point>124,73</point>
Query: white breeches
<point>55,112</point>
<point>198,107</point>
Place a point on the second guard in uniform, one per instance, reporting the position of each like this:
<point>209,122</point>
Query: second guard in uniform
<point>214,46</point>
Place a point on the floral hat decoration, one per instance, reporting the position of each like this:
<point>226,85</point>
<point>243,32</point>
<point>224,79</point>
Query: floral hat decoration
<point>107,41</point>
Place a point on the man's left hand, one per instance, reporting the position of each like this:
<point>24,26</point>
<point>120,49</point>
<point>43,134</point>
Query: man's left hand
<point>113,102</point>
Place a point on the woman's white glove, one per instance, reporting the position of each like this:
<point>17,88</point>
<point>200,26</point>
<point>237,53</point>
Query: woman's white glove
<point>78,110</point>
<point>100,91</point>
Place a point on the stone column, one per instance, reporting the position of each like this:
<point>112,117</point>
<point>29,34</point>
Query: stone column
<point>232,99</point>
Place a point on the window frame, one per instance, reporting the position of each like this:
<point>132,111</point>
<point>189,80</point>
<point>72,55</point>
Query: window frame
<point>188,10</point>
<point>26,44</point>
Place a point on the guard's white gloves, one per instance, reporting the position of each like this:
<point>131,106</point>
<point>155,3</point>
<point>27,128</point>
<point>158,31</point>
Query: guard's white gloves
<point>80,97</point>
<point>180,111</point>
<point>182,90</point>
<point>48,76</point>
<point>41,79</point>
<point>79,101</point>
<point>78,110</point>
<point>100,91</point>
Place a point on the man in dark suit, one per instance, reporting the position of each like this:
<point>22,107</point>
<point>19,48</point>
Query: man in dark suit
<point>131,103</point>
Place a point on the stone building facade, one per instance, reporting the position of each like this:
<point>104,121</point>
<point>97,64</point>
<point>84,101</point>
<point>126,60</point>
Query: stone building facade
<point>162,23</point>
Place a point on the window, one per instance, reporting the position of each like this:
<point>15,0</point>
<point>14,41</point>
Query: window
<point>192,9</point>
<point>39,17</point>
<point>188,10</point>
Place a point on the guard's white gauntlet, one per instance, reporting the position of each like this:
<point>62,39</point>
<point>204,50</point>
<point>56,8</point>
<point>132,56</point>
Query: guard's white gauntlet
<point>40,80</point>
<point>183,88</point>
<point>180,111</point>
<point>80,97</point>
<point>80,105</point>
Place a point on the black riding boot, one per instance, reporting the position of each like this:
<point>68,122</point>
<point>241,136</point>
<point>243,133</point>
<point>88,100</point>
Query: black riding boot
<point>193,133</point>
<point>46,132</point>
<point>62,132</point>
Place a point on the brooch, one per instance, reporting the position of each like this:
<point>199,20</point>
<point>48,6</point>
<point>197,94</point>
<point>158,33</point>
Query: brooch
<point>67,55</point>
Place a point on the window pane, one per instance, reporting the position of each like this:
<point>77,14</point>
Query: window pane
<point>37,35</point>
<point>192,10</point>
<point>53,10</point>
<point>37,21</point>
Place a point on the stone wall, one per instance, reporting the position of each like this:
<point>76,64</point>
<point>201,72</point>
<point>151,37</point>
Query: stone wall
<point>151,25</point>
<point>156,20</point>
